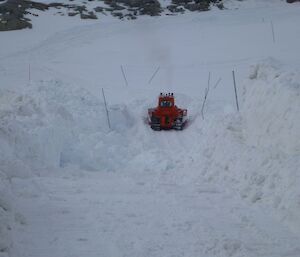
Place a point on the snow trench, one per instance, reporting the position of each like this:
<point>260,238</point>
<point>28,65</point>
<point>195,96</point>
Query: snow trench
<point>52,125</point>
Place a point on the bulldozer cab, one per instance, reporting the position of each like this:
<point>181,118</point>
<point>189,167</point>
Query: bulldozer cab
<point>166,100</point>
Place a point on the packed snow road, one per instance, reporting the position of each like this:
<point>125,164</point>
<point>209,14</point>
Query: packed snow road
<point>227,185</point>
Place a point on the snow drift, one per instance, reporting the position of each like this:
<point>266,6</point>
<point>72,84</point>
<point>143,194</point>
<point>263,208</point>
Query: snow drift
<point>271,108</point>
<point>6,216</point>
<point>51,124</point>
<point>257,152</point>
<point>271,114</point>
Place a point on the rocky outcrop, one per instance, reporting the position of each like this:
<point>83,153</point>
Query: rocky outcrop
<point>89,15</point>
<point>193,5</point>
<point>133,8</point>
<point>15,14</point>
<point>12,14</point>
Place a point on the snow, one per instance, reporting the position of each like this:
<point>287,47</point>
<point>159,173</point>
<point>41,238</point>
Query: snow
<point>277,93</point>
<point>227,185</point>
<point>6,214</point>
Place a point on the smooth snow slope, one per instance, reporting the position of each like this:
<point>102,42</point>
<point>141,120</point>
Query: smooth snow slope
<point>228,185</point>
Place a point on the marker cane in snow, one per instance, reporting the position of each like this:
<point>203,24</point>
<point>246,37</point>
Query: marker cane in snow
<point>154,74</point>
<point>107,114</point>
<point>235,91</point>
<point>205,96</point>
<point>124,75</point>
<point>273,34</point>
<point>217,83</point>
<point>29,73</point>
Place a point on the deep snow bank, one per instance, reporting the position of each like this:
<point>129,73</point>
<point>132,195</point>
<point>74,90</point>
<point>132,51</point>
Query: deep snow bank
<point>271,108</point>
<point>6,216</point>
<point>52,124</point>
<point>272,126</point>
<point>257,152</point>
<point>46,126</point>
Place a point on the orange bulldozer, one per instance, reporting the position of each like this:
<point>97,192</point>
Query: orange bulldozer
<point>167,115</point>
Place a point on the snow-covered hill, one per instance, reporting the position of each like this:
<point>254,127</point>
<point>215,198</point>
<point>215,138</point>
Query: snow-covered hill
<point>227,185</point>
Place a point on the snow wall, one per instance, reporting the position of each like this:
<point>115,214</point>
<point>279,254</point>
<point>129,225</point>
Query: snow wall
<point>271,108</point>
<point>50,125</point>
<point>271,117</point>
<point>42,128</point>
<point>256,152</point>
<point>6,216</point>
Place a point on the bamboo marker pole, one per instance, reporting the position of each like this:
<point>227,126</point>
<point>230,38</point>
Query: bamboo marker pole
<point>107,114</point>
<point>217,83</point>
<point>154,74</point>
<point>273,33</point>
<point>124,75</point>
<point>205,96</point>
<point>235,91</point>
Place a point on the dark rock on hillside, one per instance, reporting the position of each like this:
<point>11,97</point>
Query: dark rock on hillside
<point>114,6</point>
<point>175,9</point>
<point>79,8</point>
<point>82,10</point>
<point>118,14</point>
<point>72,14</point>
<point>134,7</point>
<point>89,15</point>
<point>11,23</point>
<point>151,8</point>
<point>194,5</point>
<point>99,9</point>
<point>12,14</point>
